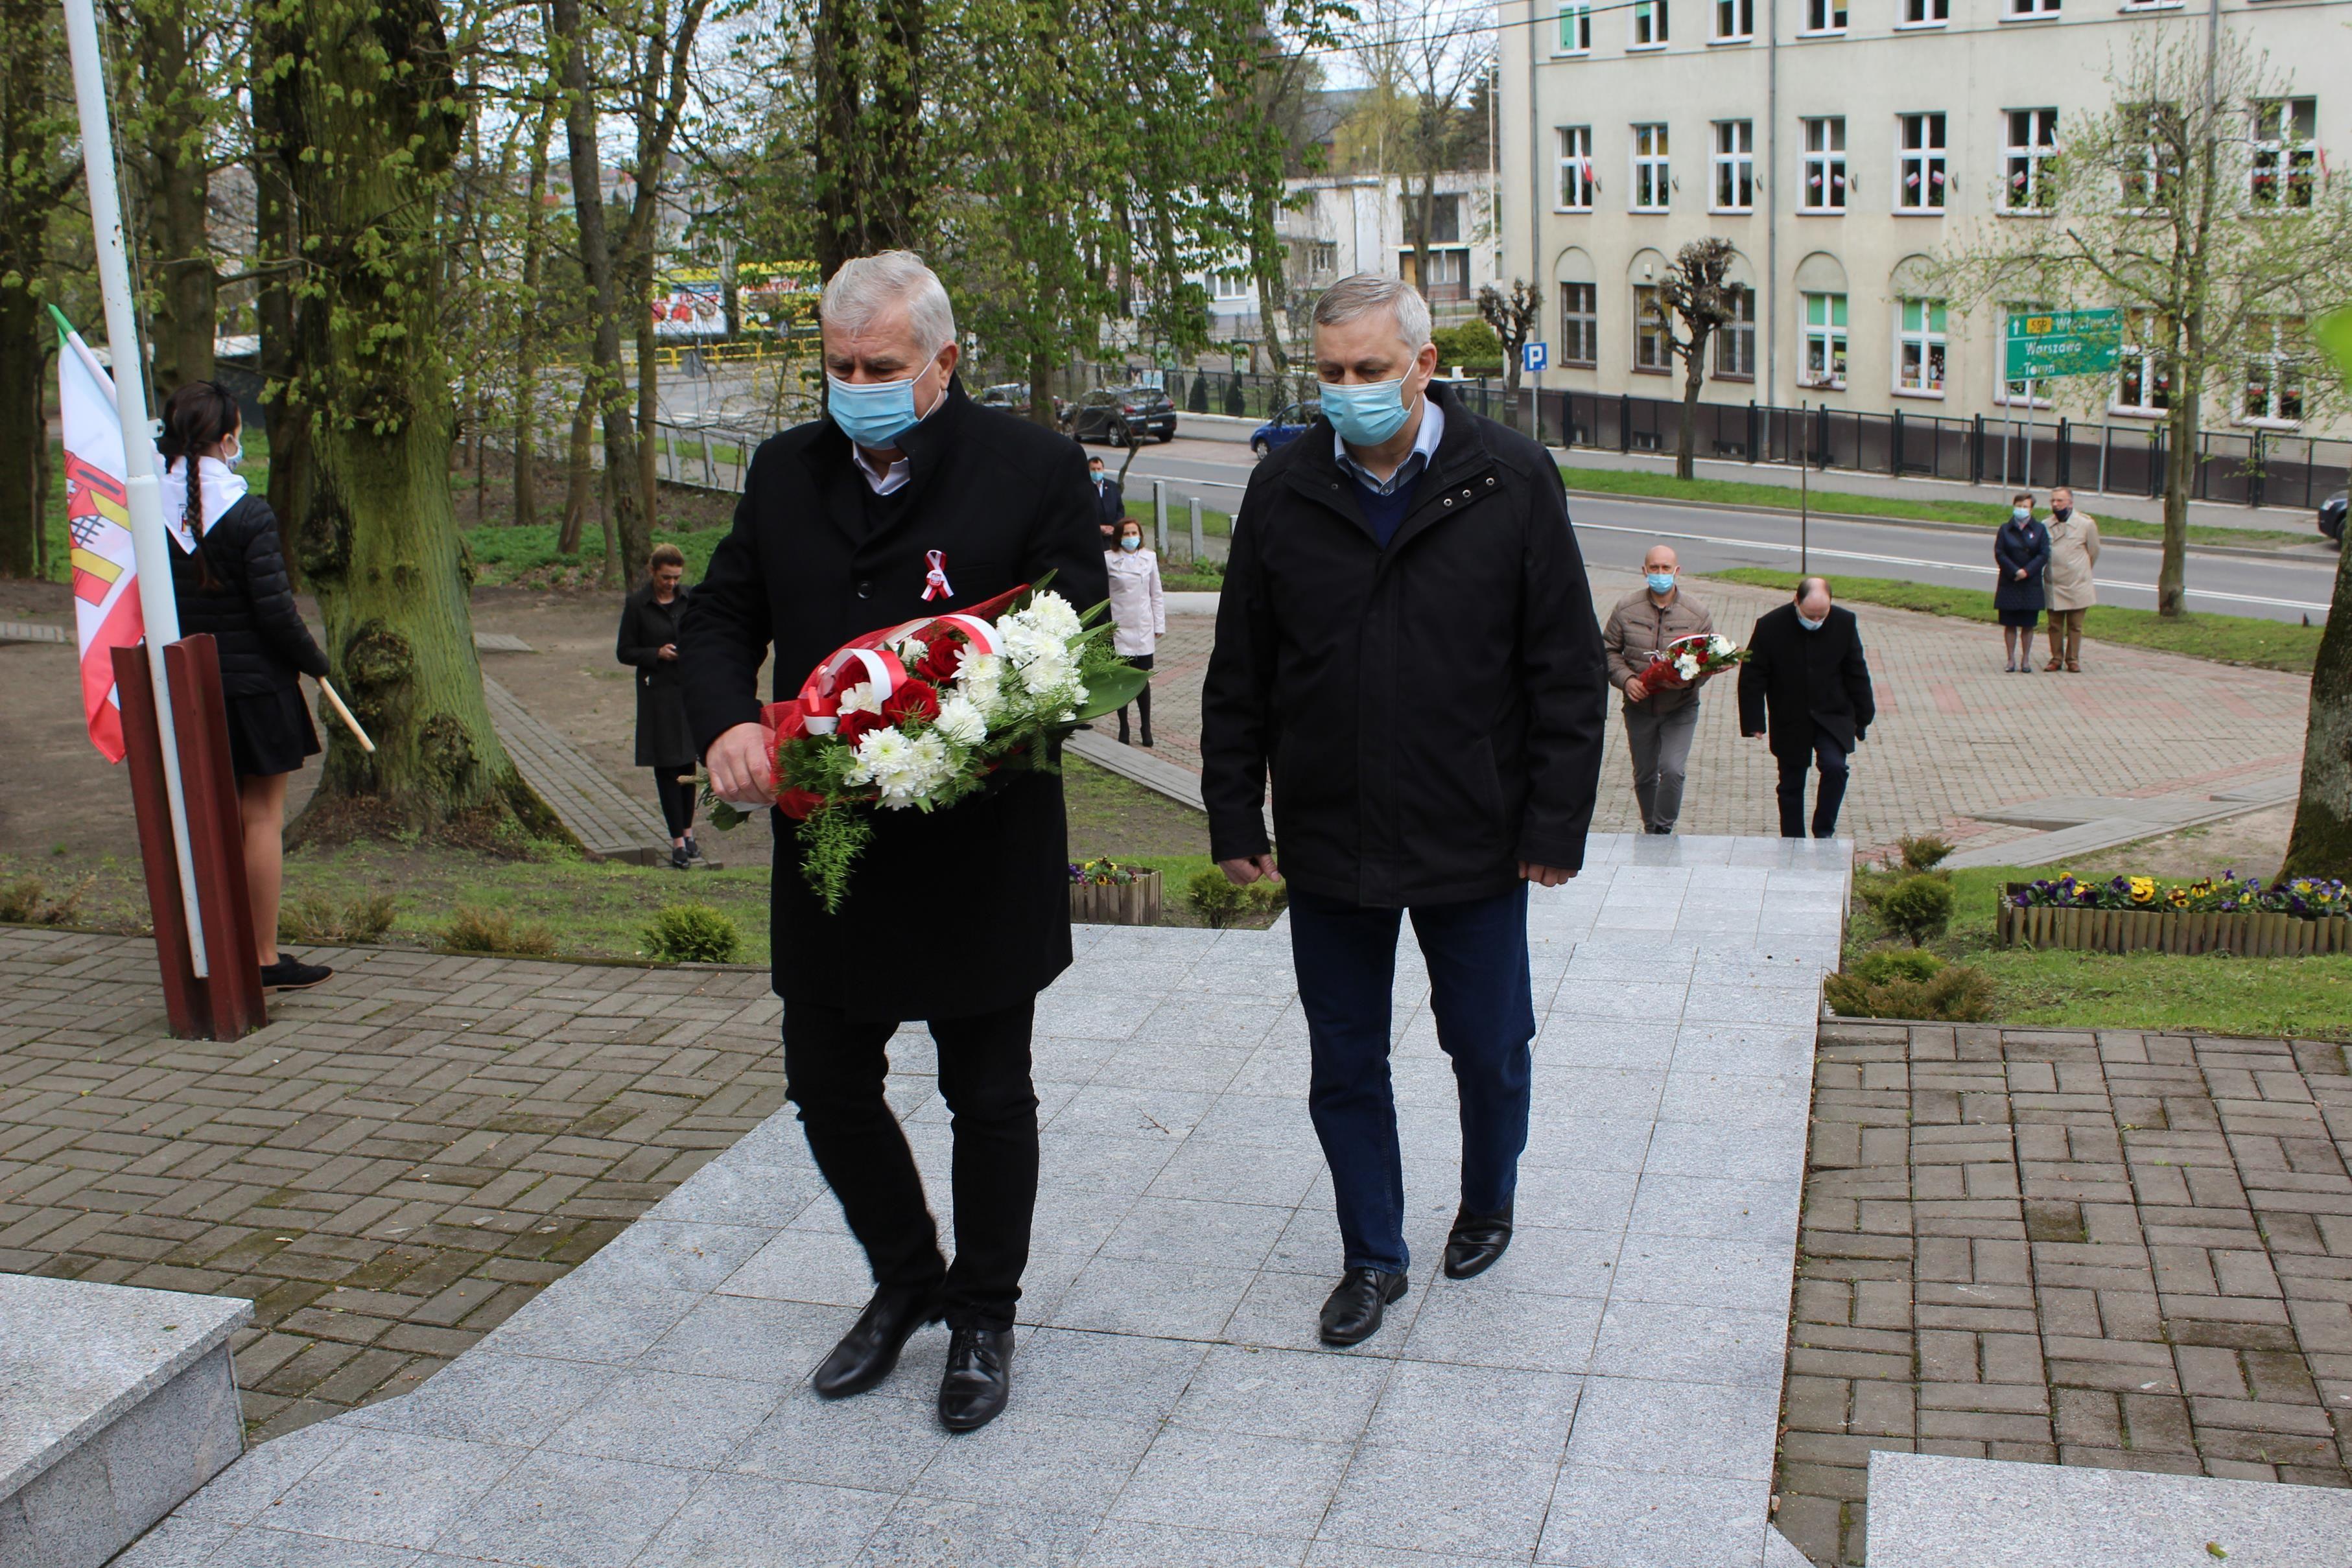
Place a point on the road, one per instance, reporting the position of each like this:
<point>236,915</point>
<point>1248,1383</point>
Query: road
<point>1616,531</point>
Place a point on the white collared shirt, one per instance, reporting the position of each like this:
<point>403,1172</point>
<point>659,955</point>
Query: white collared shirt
<point>1423,452</point>
<point>880,479</point>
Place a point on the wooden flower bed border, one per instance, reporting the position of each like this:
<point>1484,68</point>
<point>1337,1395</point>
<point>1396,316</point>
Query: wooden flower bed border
<point>1135,902</point>
<point>2249,934</point>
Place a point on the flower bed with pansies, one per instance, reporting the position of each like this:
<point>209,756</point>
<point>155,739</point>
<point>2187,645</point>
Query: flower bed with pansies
<point>1104,893</point>
<point>2246,915</point>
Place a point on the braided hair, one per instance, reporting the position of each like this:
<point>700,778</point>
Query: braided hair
<point>197,417</point>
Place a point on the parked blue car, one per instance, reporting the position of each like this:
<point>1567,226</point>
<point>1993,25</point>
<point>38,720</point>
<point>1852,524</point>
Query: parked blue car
<point>1284,427</point>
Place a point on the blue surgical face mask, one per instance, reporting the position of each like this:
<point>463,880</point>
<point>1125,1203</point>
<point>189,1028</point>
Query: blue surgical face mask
<point>2019,514</point>
<point>1808,623</point>
<point>1130,543</point>
<point>873,413</point>
<point>1661,582</point>
<point>1367,414</point>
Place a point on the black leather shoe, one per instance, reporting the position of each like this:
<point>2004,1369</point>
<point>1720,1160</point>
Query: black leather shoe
<point>979,1378</point>
<point>870,1349</point>
<point>1476,1242</point>
<point>1352,1312</point>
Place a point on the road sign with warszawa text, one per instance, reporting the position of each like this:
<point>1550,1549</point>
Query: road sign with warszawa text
<point>1533,356</point>
<point>2045,343</point>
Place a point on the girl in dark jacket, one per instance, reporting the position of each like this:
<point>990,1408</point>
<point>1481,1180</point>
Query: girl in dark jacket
<point>2022,551</point>
<point>228,573</point>
<point>648,641</point>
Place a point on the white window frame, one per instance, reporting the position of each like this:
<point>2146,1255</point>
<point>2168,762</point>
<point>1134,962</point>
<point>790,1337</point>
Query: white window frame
<point>1589,318</point>
<point>1574,182</point>
<point>1824,180</point>
<point>1923,174</point>
<point>1735,22</point>
<point>2031,11</point>
<point>1831,336</point>
<point>1733,188</point>
<point>1647,25</point>
<point>2285,378</point>
<point>1736,338</point>
<point>1928,345</point>
<point>1575,33</point>
<point>1926,13</point>
<point>1650,333</point>
<point>2135,355</point>
<point>2026,157</point>
<point>1824,19</point>
<point>1653,179</point>
<point>1227,284</point>
<point>2278,149</point>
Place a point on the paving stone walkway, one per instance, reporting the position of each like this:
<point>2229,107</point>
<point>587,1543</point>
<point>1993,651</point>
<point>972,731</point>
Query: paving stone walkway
<point>391,1169</point>
<point>1956,735</point>
<point>2103,1249</point>
<point>1607,1397</point>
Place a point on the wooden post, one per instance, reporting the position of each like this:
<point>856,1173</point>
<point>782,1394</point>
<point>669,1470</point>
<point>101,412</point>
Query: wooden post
<point>184,1002</point>
<point>217,834</point>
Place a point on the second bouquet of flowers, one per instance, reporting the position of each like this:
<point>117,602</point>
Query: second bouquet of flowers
<point>920,716</point>
<point>1686,661</point>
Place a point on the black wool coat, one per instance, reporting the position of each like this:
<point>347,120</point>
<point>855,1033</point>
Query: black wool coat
<point>665,738</point>
<point>949,913</point>
<point>248,610</point>
<point>1797,683</point>
<point>2019,547</point>
<point>1431,714</point>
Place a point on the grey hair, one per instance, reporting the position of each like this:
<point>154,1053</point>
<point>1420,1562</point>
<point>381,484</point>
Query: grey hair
<point>1353,295</point>
<point>871,286</point>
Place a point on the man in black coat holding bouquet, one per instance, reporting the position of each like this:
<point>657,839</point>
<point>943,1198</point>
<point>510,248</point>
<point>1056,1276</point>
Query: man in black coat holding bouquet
<point>907,501</point>
<point>1405,642</point>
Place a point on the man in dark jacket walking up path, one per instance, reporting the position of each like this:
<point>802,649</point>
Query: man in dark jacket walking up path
<point>844,523</point>
<point>1406,643</point>
<point>1807,684</point>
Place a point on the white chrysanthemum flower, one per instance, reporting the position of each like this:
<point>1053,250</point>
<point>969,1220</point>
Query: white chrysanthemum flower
<point>1721,646</point>
<point>863,697</point>
<point>911,649</point>
<point>981,678</point>
<point>1686,667</point>
<point>960,720</point>
<point>1051,613</point>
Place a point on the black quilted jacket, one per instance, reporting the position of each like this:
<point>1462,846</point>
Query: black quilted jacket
<point>249,609</point>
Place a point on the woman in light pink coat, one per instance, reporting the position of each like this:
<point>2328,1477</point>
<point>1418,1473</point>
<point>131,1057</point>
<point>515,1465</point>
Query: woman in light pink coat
<point>1139,612</point>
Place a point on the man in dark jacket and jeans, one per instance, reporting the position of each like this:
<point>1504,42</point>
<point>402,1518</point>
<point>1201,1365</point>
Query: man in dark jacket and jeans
<point>1806,679</point>
<point>1406,641</point>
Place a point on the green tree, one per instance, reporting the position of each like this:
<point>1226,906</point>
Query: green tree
<point>1515,318</point>
<point>36,178</point>
<point>2184,206</point>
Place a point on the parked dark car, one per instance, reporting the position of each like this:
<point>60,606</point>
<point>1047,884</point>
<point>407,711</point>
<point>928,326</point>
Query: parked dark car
<point>1285,427</point>
<point>1124,415</point>
<point>1012,397</point>
<point>2331,516</point>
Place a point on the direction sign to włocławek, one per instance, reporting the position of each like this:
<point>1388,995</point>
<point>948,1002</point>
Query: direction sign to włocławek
<point>2042,344</point>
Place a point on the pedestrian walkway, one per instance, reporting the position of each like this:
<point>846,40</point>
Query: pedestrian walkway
<point>1607,1397</point>
<point>1957,739</point>
<point>610,823</point>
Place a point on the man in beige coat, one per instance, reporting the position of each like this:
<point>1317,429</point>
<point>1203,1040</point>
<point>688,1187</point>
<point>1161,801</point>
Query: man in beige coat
<point>2067,579</point>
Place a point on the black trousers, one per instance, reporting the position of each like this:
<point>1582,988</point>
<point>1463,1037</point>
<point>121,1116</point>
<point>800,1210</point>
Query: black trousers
<point>676,799</point>
<point>836,1065</point>
<point>1829,756</point>
<point>1142,698</point>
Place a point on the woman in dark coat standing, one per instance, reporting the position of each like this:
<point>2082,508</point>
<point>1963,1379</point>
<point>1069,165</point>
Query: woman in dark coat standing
<point>228,573</point>
<point>665,740</point>
<point>2022,551</point>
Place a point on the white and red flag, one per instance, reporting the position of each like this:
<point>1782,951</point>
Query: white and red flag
<point>105,570</point>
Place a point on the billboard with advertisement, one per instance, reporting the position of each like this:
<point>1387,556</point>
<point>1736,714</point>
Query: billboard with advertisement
<point>690,302</point>
<point>777,296</point>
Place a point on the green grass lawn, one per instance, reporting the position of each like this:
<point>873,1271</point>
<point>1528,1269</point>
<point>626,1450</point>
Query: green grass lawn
<point>1975,513</point>
<point>503,553</point>
<point>2213,993</point>
<point>1180,517</point>
<point>2226,638</point>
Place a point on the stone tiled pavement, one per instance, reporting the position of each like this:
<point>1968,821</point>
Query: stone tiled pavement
<point>2101,1249</point>
<point>1606,1396</point>
<point>392,1168</point>
<point>1955,732</point>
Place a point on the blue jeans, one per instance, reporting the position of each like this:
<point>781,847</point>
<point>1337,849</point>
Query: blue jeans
<point>1346,959</point>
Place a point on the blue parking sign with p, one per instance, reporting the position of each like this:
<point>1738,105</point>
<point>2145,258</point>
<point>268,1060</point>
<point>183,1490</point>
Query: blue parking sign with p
<point>1533,356</point>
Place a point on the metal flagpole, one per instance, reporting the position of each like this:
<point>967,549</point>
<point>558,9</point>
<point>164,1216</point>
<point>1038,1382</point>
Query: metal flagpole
<point>149,543</point>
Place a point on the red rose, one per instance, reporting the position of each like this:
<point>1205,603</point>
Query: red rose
<point>942,650</point>
<point>912,700</point>
<point>854,725</point>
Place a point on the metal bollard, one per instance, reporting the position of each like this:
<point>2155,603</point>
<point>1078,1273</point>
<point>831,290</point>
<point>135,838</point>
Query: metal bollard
<point>1160,517</point>
<point>1196,530</point>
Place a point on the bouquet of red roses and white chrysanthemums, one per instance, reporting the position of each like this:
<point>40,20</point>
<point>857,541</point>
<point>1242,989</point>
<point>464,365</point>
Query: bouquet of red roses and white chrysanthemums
<point>923,714</point>
<point>1686,661</point>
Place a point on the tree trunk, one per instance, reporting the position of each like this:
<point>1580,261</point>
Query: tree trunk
<point>1694,377</point>
<point>376,135</point>
<point>527,339</point>
<point>2321,843</point>
<point>179,206</point>
<point>579,472</point>
<point>23,433</point>
<point>604,270</point>
<point>1041,389</point>
<point>31,185</point>
<point>648,417</point>
<point>278,239</point>
<point>2179,480</point>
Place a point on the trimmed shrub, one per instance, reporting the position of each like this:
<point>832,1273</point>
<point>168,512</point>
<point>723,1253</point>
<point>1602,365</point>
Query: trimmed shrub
<point>1922,851</point>
<point>477,930</point>
<point>692,934</point>
<point>1214,895</point>
<point>1886,965</point>
<point>1890,984</point>
<point>1917,907</point>
<point>1473,345</point>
